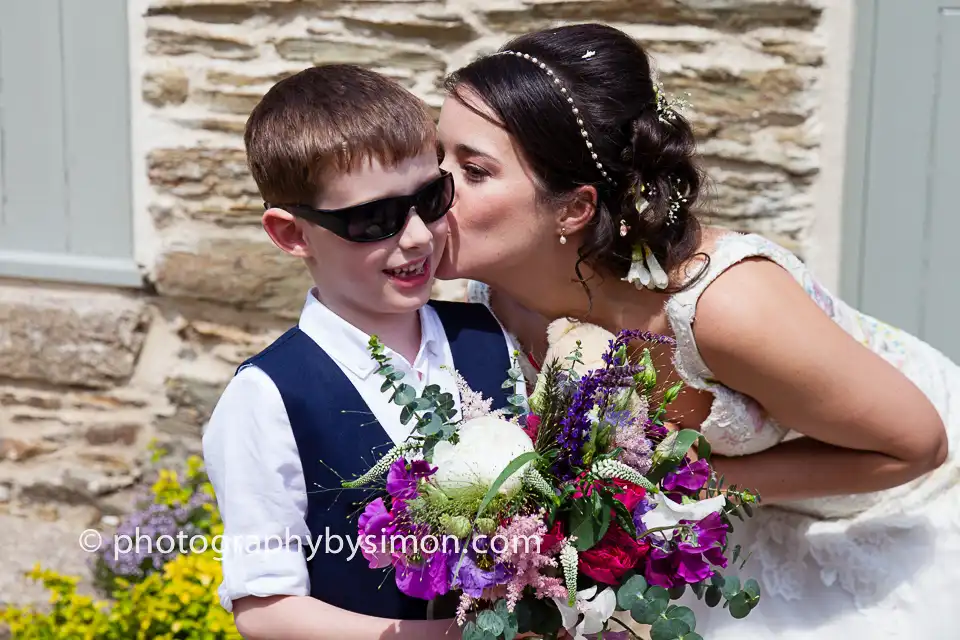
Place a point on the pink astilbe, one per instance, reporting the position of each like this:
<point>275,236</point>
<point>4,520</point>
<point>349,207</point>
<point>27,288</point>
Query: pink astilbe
<point>525,554</point>
<point>466,601</point>
<point>472,403</point>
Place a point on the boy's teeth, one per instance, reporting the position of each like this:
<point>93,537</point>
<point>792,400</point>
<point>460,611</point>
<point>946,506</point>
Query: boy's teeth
<point>408,271</point>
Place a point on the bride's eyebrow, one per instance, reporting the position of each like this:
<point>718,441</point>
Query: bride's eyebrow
<point>466,150</point>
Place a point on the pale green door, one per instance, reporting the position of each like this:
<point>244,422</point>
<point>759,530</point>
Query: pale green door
<point>902,225</point>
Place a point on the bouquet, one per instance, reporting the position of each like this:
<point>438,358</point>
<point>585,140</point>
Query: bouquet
<point>577,510</point>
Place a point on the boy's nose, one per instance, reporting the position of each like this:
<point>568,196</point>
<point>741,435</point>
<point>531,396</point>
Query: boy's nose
<point>415,232</point>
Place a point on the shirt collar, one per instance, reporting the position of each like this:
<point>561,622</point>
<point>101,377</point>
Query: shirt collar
<point>349,346</point>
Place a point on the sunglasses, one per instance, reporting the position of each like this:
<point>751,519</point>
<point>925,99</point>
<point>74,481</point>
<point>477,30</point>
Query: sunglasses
<point>380,219</point>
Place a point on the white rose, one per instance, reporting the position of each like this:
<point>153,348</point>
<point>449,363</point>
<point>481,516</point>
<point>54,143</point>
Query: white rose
<point>486,446</point>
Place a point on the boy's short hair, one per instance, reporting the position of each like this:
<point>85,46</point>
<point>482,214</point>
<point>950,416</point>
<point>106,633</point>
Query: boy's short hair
<point>331,117</point>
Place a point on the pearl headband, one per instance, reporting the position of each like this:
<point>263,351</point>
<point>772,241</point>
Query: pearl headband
<point>570,101</point>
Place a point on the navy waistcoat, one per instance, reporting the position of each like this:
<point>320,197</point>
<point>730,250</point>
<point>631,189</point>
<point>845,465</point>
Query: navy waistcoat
<point>339,438</point>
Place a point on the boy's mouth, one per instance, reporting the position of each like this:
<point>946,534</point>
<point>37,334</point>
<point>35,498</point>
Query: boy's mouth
<point>409,271</point>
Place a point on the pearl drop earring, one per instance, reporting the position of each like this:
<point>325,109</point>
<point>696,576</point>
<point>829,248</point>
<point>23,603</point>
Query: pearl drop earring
<point>563,237</point>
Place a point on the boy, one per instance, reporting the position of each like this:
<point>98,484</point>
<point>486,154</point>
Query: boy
<point>346,162</point>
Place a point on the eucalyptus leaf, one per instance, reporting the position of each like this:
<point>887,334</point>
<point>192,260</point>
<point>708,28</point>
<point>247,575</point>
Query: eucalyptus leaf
<point>490,622</point>
<point>422,404</point>
<point>406,414</point>
<point>648,610</point>
<point>677,592</point>
<point>684,614</point>
<point>510,626</point>
<point>386,385</point>
<point>666,629</point>
<point>713,596</point>
<point>699,589</point>
<point>739,606</point>
<point>631,592</point>
<point>406,395</point>
<point>731,587</point>
<point>752,588</point>
<point>433,426</point>
<point>517,399</point>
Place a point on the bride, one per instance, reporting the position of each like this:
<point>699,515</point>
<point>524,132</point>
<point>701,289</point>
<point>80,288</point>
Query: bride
<point>577,196</point>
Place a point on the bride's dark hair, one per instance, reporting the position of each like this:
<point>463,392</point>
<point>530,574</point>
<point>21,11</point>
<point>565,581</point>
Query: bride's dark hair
<point>617,102</point>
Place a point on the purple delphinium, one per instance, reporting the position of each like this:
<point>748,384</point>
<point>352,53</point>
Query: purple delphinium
<point>625,337</point>
<point>575,428</point>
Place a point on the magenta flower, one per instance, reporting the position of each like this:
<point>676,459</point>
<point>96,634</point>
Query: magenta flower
<point>376,525</point>
<point>425,579</point>
<point>402,482</point>
<point>694,557</point>
<point>688,480</point>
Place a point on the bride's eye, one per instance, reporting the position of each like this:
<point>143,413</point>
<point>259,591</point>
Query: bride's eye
<point>473,173</point>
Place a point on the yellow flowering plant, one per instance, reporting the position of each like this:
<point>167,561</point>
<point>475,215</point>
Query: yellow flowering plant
<point>154,597</point>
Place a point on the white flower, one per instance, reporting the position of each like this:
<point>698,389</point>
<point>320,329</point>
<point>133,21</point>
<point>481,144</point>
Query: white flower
<point>668,513</point>
<point>596,611</point>
<point>645,271</point>
<point>486,446</point>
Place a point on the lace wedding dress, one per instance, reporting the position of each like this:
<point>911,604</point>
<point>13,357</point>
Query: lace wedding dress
<point>867,566</point>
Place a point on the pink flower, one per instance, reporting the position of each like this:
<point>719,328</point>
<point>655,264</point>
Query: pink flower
<point>527,551</point>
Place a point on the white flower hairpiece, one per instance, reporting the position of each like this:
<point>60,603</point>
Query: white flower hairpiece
<point>667,109</point>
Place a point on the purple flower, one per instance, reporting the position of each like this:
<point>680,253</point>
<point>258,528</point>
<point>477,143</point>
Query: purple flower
<point>710,532</point>
<point>687,480</point>
<point>645,505</point>
<point>402,482</point>
<point>425,578</point>
<point>471,579</point>
<point>375,526</point>
<point>692,559</point>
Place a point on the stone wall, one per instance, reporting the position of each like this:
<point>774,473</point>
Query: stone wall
<point>88,377</point>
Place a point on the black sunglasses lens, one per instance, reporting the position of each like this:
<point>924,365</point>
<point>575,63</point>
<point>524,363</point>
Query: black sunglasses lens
<point>384,219</point>
<point>434,201</point>
<point>377,221</point>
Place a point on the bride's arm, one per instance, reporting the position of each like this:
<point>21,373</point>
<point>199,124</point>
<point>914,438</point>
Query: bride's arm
<point>869,428</point>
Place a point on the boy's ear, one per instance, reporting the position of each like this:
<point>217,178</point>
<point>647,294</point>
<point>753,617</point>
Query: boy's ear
<point>579,212</point>
<point>284,230</point>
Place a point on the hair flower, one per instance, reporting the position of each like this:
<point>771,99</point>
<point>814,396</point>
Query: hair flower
<point>645,271</point>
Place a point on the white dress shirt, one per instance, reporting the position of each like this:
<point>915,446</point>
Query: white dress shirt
<point>252,461</point>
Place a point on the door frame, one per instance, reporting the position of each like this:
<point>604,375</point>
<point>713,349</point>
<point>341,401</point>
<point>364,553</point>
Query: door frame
<point>853,219</point>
